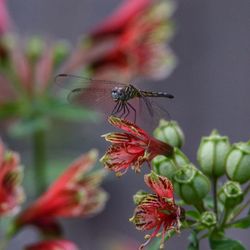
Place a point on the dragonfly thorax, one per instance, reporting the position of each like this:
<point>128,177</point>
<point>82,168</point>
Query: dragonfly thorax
<point>119,94</point>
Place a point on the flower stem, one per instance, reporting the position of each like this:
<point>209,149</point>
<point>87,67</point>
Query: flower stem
<point>200,206</point>
<point>39,161</point>
<point>214,181</point>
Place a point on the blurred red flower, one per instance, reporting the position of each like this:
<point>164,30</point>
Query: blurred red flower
<point>53,245</point>
<point>131,42</point>
<point>75,193</point>
<point>139,31</point>
<point>131,148</point>
<point>11,192</point>
<point>157,210</point>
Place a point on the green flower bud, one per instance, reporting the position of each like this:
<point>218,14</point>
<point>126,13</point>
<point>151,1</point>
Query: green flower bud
<point>208,219</point>
<point>191,184</point>
<point>212,154</point>
<point>139,197</point>
<point>238,162</point>
<point>230,194</point>
<point>61,51</point>
<point>170,132</point>
<point>35,47</point>
<point>167,166</point>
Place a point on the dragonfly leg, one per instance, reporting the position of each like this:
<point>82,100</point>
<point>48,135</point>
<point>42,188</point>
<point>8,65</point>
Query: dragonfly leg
<point>127,111</point>
<point>123,110</point>
<point>117,108</point>
<point>133,110</point>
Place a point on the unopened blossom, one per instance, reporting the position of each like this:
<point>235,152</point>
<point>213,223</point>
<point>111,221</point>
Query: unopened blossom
<point>75,193</point>
<point>131,42</point>
<point>131,148</point>
<point>157,211</point>
<point>11,192</point>
<point>59,244</point>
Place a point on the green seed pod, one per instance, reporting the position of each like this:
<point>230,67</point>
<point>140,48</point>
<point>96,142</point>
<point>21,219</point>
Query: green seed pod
<point>167,166</point>
<point>191,184</point>
<point>230,194</point>
<point>170,132</point>
<point>212,154</point>
<point>238,162</point>
<point>208,219</point>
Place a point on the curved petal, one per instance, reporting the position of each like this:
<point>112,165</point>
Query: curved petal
<point>161,185</point>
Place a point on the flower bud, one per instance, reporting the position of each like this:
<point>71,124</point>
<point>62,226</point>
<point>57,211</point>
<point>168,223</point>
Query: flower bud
<point>35,47</point>
<point>238,162</point>
<point>170,132</point>
<point>191,184</point>
<point>230,194</point>
<point>61,51</point>
<point>208,219</point>
<point>212,154</point>
<point>167,166</point>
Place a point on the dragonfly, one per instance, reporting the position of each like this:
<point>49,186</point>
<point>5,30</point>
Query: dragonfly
<point>90,91</point>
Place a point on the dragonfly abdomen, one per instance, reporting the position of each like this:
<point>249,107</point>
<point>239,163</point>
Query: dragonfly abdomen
<point>156,94</point>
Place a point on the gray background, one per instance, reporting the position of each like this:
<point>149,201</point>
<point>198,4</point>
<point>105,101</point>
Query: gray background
<point>211,85</point>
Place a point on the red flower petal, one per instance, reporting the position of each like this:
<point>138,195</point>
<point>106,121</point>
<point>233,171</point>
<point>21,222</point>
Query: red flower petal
<point>128,127</point>
<point>161,185</point>
<point>120,18</point>
<point>53,245</point>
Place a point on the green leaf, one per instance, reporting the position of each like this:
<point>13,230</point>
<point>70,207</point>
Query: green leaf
<point>69,112</point>
<point>193,214</point>
<point>28,126</point>
<point>242,223</point>
<point>226,244</point>
<point>194,241</point>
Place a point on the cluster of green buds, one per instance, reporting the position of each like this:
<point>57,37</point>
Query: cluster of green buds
<point>217,201</point>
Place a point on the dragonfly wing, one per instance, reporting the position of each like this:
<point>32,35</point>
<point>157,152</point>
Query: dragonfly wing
<point>151,112</point>
<point>70,82</point>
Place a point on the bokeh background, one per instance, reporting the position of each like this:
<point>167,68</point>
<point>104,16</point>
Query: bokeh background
<point>210,83</point>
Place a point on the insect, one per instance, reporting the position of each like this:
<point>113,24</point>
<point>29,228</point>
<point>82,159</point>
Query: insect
<point>84,91</point>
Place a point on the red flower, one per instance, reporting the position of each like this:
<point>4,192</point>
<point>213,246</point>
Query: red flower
<point>156,211</point>
<point>139,31</point>
<point>11,193</point>
<point>131,148</point>
<point>130,43</point>
<point>53,245</point>
<point>75,193</point>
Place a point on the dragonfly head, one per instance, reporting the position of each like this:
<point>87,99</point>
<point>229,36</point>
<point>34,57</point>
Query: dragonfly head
<point>118,93</point>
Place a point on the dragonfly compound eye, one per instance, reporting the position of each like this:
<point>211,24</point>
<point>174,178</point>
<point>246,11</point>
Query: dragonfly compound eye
<point>115,94</point>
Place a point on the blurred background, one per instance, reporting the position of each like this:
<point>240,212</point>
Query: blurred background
<point>210,84</point>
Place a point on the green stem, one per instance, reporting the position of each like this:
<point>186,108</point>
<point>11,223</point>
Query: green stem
<point>214,181</point>
<point>39,161</point>
<point>199,206</point>
<point>226,214</point>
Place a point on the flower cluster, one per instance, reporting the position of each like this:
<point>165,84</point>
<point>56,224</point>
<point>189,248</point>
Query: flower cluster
<point>131,42</point>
